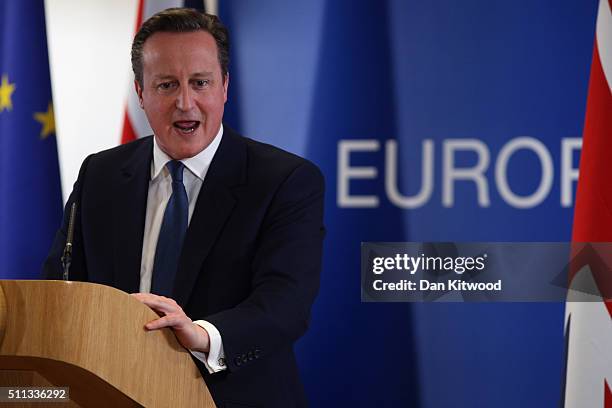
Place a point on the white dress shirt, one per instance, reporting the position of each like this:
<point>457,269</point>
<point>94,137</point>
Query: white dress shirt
<point>160,190</point>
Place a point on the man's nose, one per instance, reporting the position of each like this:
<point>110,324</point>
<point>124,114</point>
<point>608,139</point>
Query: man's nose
<point>184,100</point>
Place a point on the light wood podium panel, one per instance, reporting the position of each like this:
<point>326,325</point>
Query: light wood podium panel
<point>91,338</point>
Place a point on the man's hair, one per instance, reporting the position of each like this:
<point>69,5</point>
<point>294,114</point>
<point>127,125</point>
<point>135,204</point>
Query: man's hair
<point>181,20</point>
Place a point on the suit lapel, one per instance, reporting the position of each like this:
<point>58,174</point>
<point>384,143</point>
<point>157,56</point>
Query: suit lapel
<point>129,216</point>
<point>215,203</point>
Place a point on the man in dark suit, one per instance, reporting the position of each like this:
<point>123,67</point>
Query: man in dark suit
<point>228,229</point>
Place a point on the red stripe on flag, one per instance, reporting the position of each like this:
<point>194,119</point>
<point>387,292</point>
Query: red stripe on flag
<point>593,212</point>
<point>139,15</point>
<point>607,395</point>
<point>127,135</point>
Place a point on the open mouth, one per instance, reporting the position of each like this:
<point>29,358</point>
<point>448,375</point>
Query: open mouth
<point>186,126</point>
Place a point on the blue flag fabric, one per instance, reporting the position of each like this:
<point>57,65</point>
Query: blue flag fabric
<point>340,358</point>
<point>344,332</point>
<point>30,192</point>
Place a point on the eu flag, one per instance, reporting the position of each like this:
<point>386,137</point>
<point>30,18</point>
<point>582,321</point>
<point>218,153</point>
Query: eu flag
<point>30,195</point>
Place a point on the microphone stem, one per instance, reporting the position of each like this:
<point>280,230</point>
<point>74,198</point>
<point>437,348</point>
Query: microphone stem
<point>67,255</point>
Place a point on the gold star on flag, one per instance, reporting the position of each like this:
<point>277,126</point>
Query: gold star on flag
<point>6,90</point>
<point>47,119</point>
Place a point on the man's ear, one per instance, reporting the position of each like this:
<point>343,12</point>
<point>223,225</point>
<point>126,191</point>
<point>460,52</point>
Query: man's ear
<point>138,89</point>
<point>225,86</point>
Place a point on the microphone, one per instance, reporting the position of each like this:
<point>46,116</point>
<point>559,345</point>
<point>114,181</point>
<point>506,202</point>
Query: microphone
<point>67,255</point>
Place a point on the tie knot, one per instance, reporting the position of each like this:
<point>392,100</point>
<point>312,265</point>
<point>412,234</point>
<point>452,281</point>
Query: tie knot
<point>176,170</point>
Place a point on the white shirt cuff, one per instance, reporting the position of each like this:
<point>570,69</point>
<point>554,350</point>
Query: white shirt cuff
<point>214,360</point>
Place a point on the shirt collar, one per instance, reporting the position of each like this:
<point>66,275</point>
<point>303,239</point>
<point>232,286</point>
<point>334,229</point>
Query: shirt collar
<point>197,164</point>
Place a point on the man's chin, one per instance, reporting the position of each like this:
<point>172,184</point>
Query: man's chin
<point>183,146</point>
<point>185,152</point>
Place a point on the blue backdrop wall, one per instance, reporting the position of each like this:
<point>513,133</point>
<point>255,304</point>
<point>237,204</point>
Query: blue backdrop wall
<point>414,92</point>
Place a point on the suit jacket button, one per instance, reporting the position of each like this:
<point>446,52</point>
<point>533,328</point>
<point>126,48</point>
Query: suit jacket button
<point>238,361</point>
<point>250,355</point>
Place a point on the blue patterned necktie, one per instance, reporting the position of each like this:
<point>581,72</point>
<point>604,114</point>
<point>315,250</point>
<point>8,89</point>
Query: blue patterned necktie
<point>171,234</point>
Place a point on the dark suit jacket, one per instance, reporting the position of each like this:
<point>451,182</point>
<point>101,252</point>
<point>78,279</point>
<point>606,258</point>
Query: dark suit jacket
<point>250,263</point>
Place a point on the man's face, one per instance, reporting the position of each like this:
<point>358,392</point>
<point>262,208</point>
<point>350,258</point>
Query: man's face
<point>183,91</point>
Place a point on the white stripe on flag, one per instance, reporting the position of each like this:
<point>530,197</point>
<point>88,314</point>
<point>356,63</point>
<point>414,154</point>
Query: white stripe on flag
<point>604,39</point>
<point>154,6</point>
<point>211,7</point>
<point>589,360</point>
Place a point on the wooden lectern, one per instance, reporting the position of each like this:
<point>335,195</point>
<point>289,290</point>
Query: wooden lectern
<point>91,338</point>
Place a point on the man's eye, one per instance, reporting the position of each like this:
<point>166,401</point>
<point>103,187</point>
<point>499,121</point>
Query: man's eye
<point>201,83</point>
<point>164,86</point>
